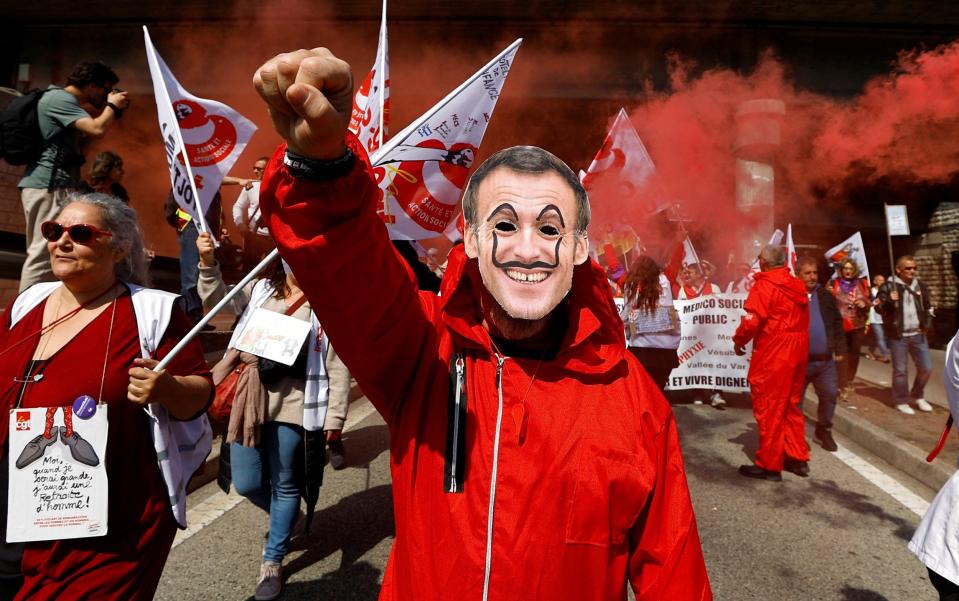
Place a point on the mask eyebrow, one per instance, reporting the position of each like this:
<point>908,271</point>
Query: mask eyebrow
<point>553,208</point>
<point>504,208</point>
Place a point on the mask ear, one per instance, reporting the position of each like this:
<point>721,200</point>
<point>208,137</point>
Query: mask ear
<point>471,241</point>
<point>580,249</point>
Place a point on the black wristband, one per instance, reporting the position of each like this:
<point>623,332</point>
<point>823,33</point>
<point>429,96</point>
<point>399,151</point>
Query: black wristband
<point>309,169</point>
<point>116,110</point>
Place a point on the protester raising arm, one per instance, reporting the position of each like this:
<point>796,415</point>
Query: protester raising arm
<point>320,210</point>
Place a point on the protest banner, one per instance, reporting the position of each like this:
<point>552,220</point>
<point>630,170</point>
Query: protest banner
<point>213,134</point>
<point>422,170</point>
<point>58,484</point>
<point>371,103</point>
<point>850,247</point>
<point>707,359</point>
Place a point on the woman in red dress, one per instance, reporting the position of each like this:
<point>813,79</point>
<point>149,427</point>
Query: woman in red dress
<point>82,338</point>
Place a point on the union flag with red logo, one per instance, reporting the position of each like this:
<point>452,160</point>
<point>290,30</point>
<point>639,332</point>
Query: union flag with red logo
<point>622,169</point>
<point>213,135</point>
<point>422,170</point>
<point>371,103</point>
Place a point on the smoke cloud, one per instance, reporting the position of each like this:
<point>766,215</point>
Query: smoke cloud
<point>903,124</point>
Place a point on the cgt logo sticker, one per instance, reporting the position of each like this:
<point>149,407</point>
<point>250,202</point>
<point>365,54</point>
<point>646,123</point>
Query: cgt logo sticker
<point>23,421</point>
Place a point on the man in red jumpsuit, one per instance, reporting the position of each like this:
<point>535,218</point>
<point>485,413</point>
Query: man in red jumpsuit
<point>531,456</point>
<point>777,321</point>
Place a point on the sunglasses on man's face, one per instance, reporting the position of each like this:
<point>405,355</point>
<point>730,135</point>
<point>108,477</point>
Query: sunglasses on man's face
<point>81,233</point>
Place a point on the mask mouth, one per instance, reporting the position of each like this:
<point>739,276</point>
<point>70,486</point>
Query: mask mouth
<point>526,277</point>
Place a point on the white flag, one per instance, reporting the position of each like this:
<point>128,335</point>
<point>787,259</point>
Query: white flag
<point>213,134</point>
<point>371,103</point>
<point>790,250</point>
<point>684,255</point>
<point>622,167</point>
<point>422,170</point>
<point>850,247</point>
<point>745,283</point>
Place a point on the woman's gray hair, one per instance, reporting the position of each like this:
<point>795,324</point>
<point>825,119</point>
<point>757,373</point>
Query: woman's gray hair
<point>120,220</point>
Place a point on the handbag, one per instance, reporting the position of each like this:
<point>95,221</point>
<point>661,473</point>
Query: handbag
<point>222,403</point>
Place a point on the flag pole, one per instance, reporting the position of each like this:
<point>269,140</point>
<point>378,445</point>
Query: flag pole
<point>892,265</point>
<point>219,307</point>
<point>381,70</point>
<point>388,147</point>
<point>203,226</point>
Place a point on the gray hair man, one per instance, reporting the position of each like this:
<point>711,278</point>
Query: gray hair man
<point>907,312</point>
<point>777,323</point>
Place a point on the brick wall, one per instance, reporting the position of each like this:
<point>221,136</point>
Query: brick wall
<point>933,255</point>
<point>11,213</point>
<point>8,291</point>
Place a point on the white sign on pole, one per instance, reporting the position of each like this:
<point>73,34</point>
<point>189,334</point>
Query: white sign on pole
<point>274,336</point>
<point>707,359</point>
<point>58,483</point>
<point>897,220</point>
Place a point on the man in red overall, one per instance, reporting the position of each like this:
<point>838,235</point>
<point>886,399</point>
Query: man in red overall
<point>531,455</point>
<point>777,321</point>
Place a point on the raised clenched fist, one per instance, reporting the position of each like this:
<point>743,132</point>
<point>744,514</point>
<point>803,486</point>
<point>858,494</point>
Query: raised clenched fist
<point>310,97</point>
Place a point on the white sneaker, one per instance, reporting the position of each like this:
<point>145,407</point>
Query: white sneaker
<point>698,402</point>
<point>717,401</point>
<point>904,408</point>
<point>923,405</point>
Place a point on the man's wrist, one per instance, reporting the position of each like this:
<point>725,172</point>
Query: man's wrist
<point>117,111</point>
<point>305,168</point>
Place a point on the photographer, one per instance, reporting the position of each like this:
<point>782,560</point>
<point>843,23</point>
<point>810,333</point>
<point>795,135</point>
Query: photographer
<point>64,124</point>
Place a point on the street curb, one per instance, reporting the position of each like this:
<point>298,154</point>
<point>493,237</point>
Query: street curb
<point>898,453</point>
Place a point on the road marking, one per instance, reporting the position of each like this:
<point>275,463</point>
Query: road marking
<point>886,483</point>
<point>219,503</point>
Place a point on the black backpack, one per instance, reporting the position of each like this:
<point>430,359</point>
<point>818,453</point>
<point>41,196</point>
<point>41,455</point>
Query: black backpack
<point>21,142</point>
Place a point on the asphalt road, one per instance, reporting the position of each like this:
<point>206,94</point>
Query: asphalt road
<point>833,536</point>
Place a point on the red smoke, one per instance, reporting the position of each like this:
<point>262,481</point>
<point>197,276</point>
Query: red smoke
<point>904,124</point>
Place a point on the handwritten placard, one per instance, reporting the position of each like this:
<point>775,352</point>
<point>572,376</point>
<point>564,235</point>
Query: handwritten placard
<point>58,478</point>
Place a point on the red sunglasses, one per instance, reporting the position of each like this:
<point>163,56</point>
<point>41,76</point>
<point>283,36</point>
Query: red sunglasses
<point>81,233</point>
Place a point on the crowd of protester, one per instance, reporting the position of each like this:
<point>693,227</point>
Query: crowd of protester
<point>84,287</point>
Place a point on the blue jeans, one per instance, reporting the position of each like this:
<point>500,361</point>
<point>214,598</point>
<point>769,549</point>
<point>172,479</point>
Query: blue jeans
<point>878,346</point>
<point>825,381</point>
<point>268,475</point>
<point>918,347</point>
<point>190,271</point>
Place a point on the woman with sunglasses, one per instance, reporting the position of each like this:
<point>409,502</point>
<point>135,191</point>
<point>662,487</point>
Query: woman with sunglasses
<point>276,428</point>
<point>97,332</point>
